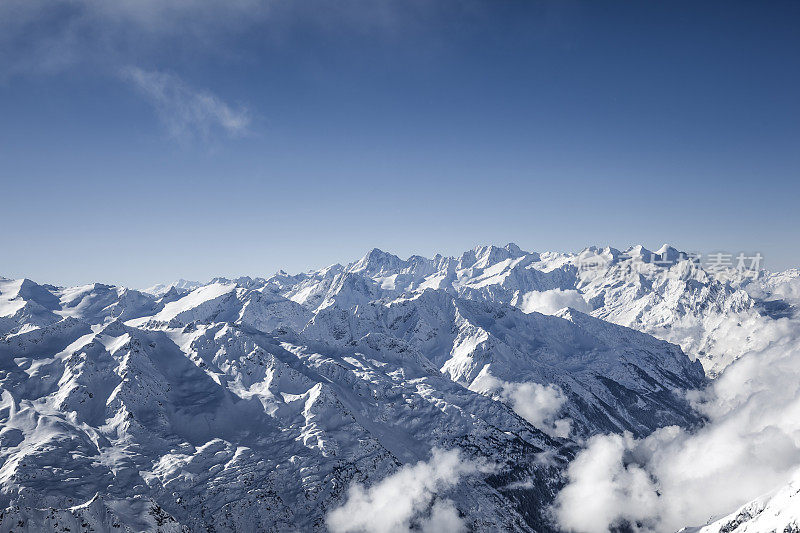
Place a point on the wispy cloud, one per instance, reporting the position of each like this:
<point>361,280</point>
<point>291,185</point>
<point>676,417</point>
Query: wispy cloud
<point>187,113</point>
<point>51,36</point>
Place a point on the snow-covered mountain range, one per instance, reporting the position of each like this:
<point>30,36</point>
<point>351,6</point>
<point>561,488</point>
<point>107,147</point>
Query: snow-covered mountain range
<point>269,404</point>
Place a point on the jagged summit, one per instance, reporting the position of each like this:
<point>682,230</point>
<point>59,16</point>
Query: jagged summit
<point>377,260</point>
<point>180,284</point>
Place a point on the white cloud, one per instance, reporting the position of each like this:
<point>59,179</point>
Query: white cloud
<point>50,36</point>
<point>187,113</point>
<point>780,285</point>
<point>53,35</point>
<point>405,499</point>
<point>536,403</point>
<point>677,478</point>
<point>549,302</point>
<point>603,490</point>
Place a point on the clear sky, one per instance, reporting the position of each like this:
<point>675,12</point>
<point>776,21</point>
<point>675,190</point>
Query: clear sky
<point>141,142</point>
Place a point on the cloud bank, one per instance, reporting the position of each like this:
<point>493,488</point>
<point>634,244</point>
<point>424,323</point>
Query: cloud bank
<point>549,302</point>
<point>187,113</point>
<point>536,403</point>
<point>407,499</point>
<point>676,478</point>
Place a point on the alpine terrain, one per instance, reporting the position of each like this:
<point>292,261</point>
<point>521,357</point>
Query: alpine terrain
<point>428,394</point>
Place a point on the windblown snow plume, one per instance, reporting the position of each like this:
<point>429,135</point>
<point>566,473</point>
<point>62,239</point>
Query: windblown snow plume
<point>408,498</point>
<point>674,477</point>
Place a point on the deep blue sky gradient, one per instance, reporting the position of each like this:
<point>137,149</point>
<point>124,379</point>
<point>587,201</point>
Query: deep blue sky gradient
<point>416,127</point>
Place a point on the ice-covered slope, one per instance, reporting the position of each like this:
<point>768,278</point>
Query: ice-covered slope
<point>778,511</point>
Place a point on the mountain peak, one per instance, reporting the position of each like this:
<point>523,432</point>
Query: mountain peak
<point>668,253</point>
<point>376,260</point>
<point>639,251</point>
<point>514,250</point>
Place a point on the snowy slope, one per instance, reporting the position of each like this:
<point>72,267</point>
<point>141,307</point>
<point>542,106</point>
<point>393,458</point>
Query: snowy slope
<point>239,430</point>
<point>778,511</point>
<point>614,378</point>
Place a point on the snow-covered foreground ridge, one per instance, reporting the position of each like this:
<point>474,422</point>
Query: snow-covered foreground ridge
<point>270,403</point>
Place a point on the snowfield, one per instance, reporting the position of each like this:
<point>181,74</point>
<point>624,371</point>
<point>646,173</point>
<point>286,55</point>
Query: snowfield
<point>442,394</point>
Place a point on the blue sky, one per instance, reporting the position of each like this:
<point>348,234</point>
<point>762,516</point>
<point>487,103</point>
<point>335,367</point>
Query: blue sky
<point>140,143</point>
